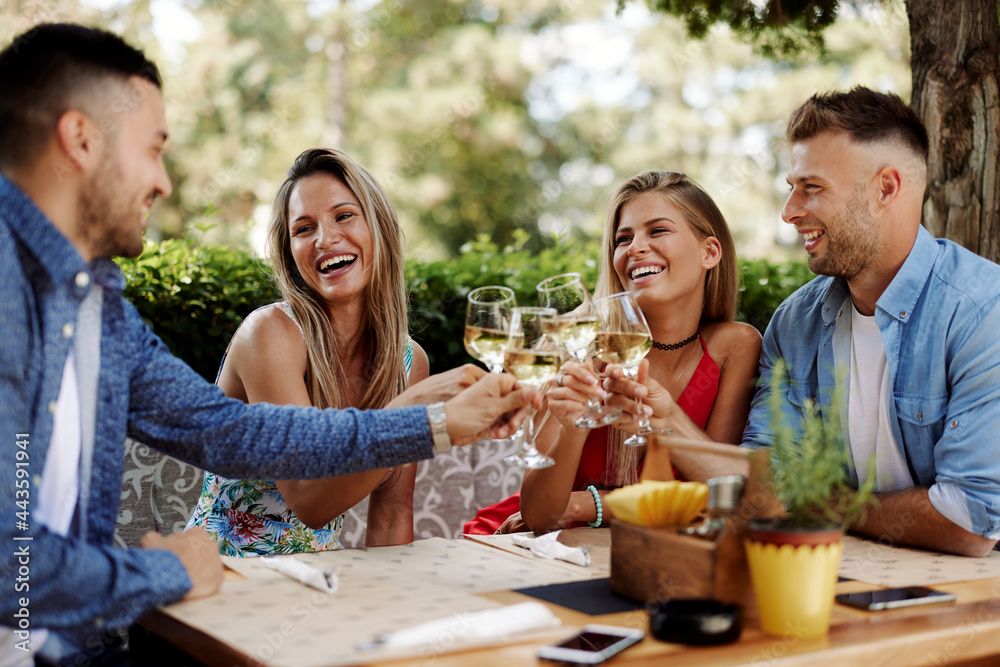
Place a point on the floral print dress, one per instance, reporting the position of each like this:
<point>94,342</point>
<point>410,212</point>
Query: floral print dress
<point>249,517</point>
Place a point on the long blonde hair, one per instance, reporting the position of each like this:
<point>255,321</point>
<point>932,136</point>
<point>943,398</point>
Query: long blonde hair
<point>722,281</point>
<point>384,297</point>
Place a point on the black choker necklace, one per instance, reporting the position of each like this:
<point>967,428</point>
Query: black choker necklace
<point>676,346</point>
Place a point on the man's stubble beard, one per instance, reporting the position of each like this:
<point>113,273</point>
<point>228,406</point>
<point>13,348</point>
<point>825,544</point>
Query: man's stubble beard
<point>854,245</point>
<point>107,216</point>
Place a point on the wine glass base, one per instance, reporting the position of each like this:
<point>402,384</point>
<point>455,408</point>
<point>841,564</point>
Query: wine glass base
<point>530,460</point>
<point>636,441</point>
<point>610,416</point>
<point>603,417</point>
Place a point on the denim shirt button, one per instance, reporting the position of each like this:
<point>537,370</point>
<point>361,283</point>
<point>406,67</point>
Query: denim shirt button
<point>902,313</point>
<point>98,622</point>
<point>82,279</point>
<point>37,480</point>
<point>52,407</point>
<point>920,416</point>
<point>68,330</point>
<point>954,423</point>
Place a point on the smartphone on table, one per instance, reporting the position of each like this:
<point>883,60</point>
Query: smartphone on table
<point>592,645</point>
<point>894,598</point>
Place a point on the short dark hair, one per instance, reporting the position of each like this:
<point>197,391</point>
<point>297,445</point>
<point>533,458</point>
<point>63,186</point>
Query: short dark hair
<point>45,68</point>
<point>865,115</point>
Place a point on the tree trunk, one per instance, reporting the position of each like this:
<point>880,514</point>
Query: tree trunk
<point>955,51</point>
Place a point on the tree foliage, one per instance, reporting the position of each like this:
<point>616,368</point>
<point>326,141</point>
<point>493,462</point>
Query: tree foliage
<point>955,77</point>
<point>778,28</point>
<point>482,117</point>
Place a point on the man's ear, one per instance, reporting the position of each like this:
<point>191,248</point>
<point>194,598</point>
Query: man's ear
<point>79,139</point>
<point>712,253</point>
<point>889,183</point>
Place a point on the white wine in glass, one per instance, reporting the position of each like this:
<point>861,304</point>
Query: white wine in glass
<point>533,367</point>
<point>487,331</point>
<point>624,339</point>
<point>533,359</point>
<point>574,329</point>
<point>486,345</point>
<point>624,349</point>
<point>487,325</point>
<point>575,333</point>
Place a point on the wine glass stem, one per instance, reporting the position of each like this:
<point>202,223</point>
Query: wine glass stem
<point>644,426</point>
<point>529,431</point>
<point>593,405</point>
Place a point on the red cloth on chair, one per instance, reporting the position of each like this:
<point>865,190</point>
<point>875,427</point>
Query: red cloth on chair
<point>696,401</point>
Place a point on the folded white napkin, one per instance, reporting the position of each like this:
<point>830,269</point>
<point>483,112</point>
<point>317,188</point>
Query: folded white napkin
<point>549,546</point>
<point>323,580</point>
<point>472,626</point>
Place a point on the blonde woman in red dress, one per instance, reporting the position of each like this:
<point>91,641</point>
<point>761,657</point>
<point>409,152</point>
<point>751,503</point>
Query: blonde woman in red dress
<point>666,241</point>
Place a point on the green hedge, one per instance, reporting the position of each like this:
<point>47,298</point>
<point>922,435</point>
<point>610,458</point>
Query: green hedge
<point>194,296</point>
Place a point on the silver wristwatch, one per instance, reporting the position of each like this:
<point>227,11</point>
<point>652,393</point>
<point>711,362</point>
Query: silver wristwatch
<point>439,427</point>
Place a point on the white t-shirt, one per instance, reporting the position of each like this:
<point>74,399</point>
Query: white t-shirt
<point>57,495</point>
<point>869,431</point>
<point>859,354</point>
<point>60,486</point>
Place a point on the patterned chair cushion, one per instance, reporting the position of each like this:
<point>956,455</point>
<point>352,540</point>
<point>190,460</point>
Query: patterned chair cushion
<point>159,493</point>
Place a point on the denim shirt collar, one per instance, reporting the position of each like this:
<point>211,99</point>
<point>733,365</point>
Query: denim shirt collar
<point>53,251</point>
<point>834,298</point>
<point>900,297</point>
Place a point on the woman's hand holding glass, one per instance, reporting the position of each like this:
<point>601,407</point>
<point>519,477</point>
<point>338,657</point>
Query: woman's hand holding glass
<point>575,329</point>
<point>569,393</point>
<point>623,339</point>
<point>640,394</point>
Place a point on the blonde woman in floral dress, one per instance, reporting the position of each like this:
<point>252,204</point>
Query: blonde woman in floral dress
<point>339,339</point>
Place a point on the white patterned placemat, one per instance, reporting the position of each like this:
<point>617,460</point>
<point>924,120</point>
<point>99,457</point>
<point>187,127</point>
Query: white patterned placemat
<point>283,623</point>
<point>889,565</point>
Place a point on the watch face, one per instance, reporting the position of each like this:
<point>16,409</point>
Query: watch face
<point>436,413</point>
<point>439,427</point>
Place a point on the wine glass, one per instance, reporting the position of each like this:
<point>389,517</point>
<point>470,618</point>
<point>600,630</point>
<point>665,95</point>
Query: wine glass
<point>575,328</point>
<point>487,333</point>
<point>623,338</point>
<point>487,324</point>
<point>534,359</point>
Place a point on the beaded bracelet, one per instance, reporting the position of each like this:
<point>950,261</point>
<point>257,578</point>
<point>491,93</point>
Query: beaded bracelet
<point>600,512</point>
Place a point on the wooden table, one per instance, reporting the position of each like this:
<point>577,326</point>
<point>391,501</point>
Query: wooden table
<point>966,633</point>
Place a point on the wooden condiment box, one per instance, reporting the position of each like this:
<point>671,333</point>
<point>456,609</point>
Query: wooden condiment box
<point>657,564</point>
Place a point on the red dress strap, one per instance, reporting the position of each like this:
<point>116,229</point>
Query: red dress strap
<point>698,396</point>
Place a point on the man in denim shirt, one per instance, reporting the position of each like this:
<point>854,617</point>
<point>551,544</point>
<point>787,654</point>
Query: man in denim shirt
<point>911,322</point>
<point>82,133</point>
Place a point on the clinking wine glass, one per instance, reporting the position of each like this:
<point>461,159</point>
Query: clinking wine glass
<point>575,328</point>
<point>487,325</point>
<point>487,330</point>
<point>533,358</point>
<point>623,338</point>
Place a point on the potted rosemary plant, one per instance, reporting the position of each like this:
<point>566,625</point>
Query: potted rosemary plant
<point>794,559</point>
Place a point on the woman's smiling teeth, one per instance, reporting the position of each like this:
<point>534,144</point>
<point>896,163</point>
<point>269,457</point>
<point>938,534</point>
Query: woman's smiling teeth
<point>336,262</point>
<point>644,271</point>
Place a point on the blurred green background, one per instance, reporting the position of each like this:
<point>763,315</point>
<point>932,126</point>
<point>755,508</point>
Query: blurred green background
<point>498,127</point>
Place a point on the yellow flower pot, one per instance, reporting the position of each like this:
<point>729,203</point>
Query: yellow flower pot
<point>794,586</point>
